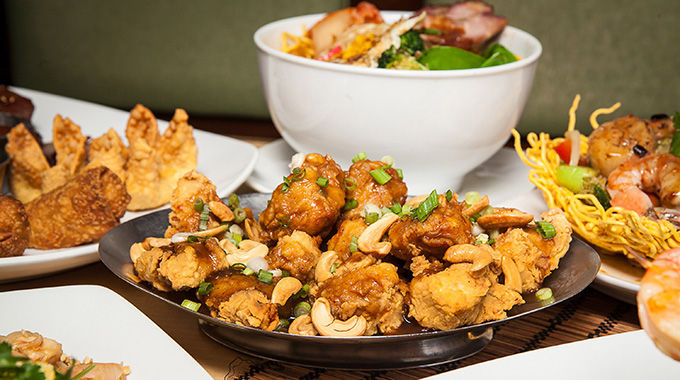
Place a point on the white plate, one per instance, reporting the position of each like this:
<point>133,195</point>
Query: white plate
<point>225,161</point>
<point>617,277</point>
<point>630,355</point>
<point>504,167</point>
<point>93,321</point>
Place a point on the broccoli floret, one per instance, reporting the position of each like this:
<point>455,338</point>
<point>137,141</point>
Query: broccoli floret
<point>386,58</point>
<point>411,42</point>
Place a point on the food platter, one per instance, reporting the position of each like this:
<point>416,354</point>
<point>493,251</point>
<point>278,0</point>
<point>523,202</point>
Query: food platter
<point>577,270</point>
<point>94,121</point>
<point>106,328</point>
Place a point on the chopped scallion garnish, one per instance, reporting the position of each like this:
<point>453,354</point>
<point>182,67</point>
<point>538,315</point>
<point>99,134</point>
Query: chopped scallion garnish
<point>233,201</point>
<point>543,294</point>
<point>322,181</point>
<point>359,157</point>
<point>546,230</point>
<point>304,292</point>
<point>353,245</point>
<point>449,195</point>
<point>205,288</point>
<point>204,218</point>
<point>471,197</point>
<point>427,206</point>
<point>198,204</point>
<point>350,183</point>
<point>400,173</point>
<point>371,217</point>
<point>265,276</point>
<point>302,308</point>
<point>192,239</point>
<point>284,222</point>
<point>191,305</point>
<point>238,267</point>
<point>388,160</point>
<point>282,326</point>
<point>240,215</point>
<point>248,272</point>
<point>350,204</point>
<point>380,175</point>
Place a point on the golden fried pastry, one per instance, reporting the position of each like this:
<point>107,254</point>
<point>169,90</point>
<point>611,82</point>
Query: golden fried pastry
<point>14,227</point>
<point>179,153</point>
<point>142,124</point>
<point>27,162</point>
<point>81,211</point>
<point>69,144</point>
<point>108,150</point>
<point>183,217</point>
<point>142,179</point>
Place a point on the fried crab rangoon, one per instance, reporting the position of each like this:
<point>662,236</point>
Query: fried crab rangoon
<point>346,254</point>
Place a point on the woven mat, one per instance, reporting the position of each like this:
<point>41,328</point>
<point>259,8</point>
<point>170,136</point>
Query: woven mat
<point>588,315</point>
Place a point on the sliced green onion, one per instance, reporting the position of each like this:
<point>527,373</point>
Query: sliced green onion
<point>396,208</point>
<point>248,272</point>
<point>304,292</point>
<point>488,210</point>
<point>427,206</point>
<point>359,157</point>
<point>198,204</point>
<point>322,181</point>
<point>233,201</point>
<point>286,185</point>
<point>482,239</point>
<point>400,173</point>
<point>282,326</point>
<point>285,273</point>
<point>546,230</point>
<point>350,204</point>
<point>204,218</point>
<point>192,239</point>
<point>238,267</point>
<point>240,215</point>
<point>543,294</point>
<point>191,305</point>
<point>350,183</point>
<point>284,222</point>
<point>380,175</point>
<point>353,245</point>
<point>471,197</point>
<point>388,160</point>
<point>298,174</point>
<point>302,308</point>
<point>334,267</point>
<point>406,210</point>
<point>82,373</point>
<point>205,288</point>
<point>265,276</point>
<point>371,217</point>
<point>449,195</point>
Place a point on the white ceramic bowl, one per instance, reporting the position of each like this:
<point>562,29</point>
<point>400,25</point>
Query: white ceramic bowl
<point>438,125</point>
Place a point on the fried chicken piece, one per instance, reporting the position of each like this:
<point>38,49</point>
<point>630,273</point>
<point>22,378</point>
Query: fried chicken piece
<point>372,290</point>
<point>108,150</point>
<point>241,299</point>
<point>183,217</point>
<point>297,253</point>
<point>348,232</point>
<point>300,203</point>
<point>14,227</point>
<point>81,211</point>
<point>144,163</point>
<point>368,191</point>
<point>459,296</point>
<point>446,226</point>
<point>27,163</point>
<point>179,153</point>
<point>535,256</point>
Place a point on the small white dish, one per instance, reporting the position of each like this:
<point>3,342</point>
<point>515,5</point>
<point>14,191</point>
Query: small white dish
<point>630,355</point>
<point>93,321</point>
<point>94,120</point>
<point>501,177</point>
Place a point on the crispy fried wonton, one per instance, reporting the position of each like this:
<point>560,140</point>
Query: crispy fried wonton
<point>108,150</point>
<point>27,162</point>
<point>144,163</point>
<point>179,153</point>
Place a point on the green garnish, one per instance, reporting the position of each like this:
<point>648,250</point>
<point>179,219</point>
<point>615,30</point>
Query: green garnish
<point>302,308</point>
<point>350,183</point>
<point>322,181</point>
<point>198,204</point>
<point>193,239</point>
<point>284,222</point>
<point>238,267</point>
<point>359,157</point>
<point>449,195</point>
<point>282,326</point>
<point>233,201</point>
<point>240,215</point>
<point>205,288</point>
<point>204,218</point>
<point>191,305</point>
<point>471,197</point>
<point>543,294</point>
<point>371,217</point>
<point>426,207</point>
<point>353,245</point>
<point>675,141</point>
<point>350,204</point>
<point>302,293</point>
<point>546,230</point>
<point>265,276</point>
<point>380,175</point>
<point>247,272</point>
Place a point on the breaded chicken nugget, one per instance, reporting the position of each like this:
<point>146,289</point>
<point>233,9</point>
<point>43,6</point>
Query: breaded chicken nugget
<point>27,163</point>
<point>14,227</point>
<point>81,211</point>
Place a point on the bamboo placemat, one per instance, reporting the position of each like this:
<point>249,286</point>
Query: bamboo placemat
<point>587,315</point>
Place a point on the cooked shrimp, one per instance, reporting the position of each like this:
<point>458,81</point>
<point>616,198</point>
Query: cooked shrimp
<point>612,143</point>
<point>657,173</point>
<point>659,302</point>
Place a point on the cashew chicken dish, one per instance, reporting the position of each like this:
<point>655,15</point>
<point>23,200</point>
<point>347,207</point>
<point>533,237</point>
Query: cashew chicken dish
<point>347,253</point>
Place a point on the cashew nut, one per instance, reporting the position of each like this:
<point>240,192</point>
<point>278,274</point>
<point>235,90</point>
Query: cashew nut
<point>475,254</point>
<point>136,251</point>
<point>211,232</point>
<point>246,250</point>
<point>327,325</point>
<point>322,272</point>
<point>221,211</point>
<point>477,206</point>
<point>504,218</point>
<point>513,280</point>
<point>302,325</point>
<point>253,230</point>
<point>285,288</point>
<point>369,240</point>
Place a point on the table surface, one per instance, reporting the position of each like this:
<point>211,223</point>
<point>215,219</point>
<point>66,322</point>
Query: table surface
<point>589,314</point>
